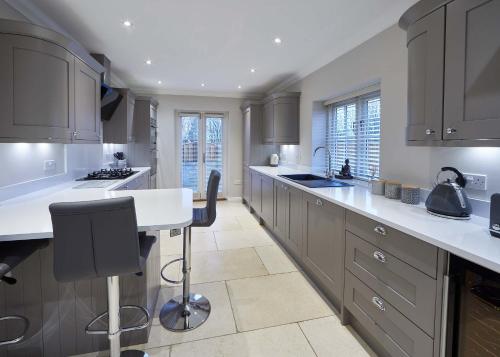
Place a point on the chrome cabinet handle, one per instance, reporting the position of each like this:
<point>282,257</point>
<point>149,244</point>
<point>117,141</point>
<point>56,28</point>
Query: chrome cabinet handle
<point>379,256</point>
<point>378,303</point>
<point>319,202</point>
<point>451,131</point>
<point>430,132</point>
<point>380,230</point>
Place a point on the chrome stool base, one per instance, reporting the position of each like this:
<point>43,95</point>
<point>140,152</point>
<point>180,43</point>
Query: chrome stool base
<point>175,316</point>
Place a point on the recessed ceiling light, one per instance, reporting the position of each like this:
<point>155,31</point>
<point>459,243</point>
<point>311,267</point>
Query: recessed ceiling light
<point>277,41</point>
<point>127,23</point>
<point>203,84</point>
<point>252,70</point>
<point>160,82</point>
<point>148,61</point>
<point>239,87</point>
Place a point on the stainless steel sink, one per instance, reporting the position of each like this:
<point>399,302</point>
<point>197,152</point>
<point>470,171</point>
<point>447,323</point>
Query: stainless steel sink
<point>313,181</point>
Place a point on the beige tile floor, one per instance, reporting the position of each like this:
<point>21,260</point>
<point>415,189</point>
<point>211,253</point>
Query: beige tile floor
<point>262,305</point>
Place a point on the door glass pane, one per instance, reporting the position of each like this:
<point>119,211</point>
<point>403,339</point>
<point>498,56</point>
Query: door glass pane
<point>190,146</point>
<point>213,147</point>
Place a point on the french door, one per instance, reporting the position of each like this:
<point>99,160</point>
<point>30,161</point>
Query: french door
<point>202,149</point>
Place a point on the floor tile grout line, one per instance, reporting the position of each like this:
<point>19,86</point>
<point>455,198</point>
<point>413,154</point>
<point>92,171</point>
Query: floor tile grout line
<point>232,307</point>
<point>261,261</point>
<point>307,339</point>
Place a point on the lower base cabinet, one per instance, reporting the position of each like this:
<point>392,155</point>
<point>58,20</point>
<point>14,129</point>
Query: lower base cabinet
<point>267,201</point>
<point>323,244</point>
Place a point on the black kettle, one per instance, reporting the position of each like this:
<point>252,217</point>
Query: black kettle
<point>448,198</point>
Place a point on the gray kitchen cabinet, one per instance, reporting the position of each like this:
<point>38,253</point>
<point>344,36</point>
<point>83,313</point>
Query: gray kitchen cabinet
<point>281,118</point>
<point>472,70</point>
<point>37,98</point>
<point>50,87</point>
<point>267,200</point>
<point>288,217</point>
<point>246,184</point>
<point>425,42</point>
<point>256,192</point>
<point>119,129</point>
<point>323,243</point>
<point>87,103</point>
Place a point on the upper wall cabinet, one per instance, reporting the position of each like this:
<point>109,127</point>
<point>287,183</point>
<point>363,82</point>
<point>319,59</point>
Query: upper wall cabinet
<point>50,87</point>
<point>453,72</point>
<point>281,118</point>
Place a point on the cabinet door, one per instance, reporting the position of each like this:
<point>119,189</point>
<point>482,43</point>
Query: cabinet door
<point>323,236</point>
<point>255,192</point>
<point>268,122</point>
<point>286,120</point>
<point>37,90</point>
<point>294,224</point>
<point>425,77</point>
<point>472,80</point>
<point>87,103</point>
<point>267,192</point>
<point>281,210</point>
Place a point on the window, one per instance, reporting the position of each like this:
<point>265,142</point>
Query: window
<point>353,132</point>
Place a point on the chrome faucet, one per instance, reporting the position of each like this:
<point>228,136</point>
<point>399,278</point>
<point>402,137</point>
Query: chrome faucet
<point>329,172</point>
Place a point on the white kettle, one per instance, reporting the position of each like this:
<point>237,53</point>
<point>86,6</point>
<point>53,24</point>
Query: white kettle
<point>274,160</point>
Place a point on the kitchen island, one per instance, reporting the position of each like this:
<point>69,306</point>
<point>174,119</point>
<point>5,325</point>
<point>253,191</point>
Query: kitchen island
<point>59,312</point>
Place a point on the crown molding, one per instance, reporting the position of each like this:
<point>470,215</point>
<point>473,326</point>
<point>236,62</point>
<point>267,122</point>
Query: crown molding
<point>196,93</point>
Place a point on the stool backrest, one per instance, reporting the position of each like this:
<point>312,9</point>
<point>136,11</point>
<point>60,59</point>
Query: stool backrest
<point>95,239</point>
<point>212,191</point>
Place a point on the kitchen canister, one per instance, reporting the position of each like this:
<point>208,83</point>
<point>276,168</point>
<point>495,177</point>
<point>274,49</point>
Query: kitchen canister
<point>378,187</point>
<point>410,194</point>
<point>393,190</point>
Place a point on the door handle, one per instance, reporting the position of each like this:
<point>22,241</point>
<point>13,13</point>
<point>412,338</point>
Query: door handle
<point>378,303</point>
<point>380,230</point>
<point>379,256</point>
<point>319,202</point>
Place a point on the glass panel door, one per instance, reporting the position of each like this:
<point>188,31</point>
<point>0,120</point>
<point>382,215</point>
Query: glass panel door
<point>190,153</point>
<point>214,140</point>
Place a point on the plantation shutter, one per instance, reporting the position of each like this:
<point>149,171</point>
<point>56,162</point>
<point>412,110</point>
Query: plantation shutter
<point>353,132</point>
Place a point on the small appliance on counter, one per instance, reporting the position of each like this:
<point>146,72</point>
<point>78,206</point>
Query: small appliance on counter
<point>120,161</point>
<point>448,198</point>
<point>274,160</point>
<point>495,215</point>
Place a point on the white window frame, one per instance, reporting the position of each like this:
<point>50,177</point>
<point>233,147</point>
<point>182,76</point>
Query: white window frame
<point>358,101</point>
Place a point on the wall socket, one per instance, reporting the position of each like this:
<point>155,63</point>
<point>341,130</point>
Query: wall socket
<point>476,182</point>
<point>49,165</point>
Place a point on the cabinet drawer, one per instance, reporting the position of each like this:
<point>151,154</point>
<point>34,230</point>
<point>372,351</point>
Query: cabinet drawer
<point>413,251</point>
<point>409,290</point>
<point>398,335</point>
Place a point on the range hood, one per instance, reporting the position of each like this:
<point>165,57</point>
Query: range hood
<point>110,98</point>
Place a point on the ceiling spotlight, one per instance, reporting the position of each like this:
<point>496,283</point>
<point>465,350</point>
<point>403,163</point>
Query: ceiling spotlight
<point>149,62</point>
<point>203,84</point>
<point>160,82</point>
<point>277,41</point>
<point>239,87</point>
<point>127,23</point>
<point>252,70</point>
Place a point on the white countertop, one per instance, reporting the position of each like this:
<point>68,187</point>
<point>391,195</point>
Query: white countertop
<point>468,239</point>
<point>27,217</point>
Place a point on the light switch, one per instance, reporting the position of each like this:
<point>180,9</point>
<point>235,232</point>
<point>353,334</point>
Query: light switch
<point>49,165</point>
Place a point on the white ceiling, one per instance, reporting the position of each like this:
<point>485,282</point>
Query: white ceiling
<point>216,42</point>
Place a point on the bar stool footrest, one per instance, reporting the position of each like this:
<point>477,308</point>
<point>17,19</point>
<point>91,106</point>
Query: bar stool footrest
<point>166,266</point>
<point>25,329</point>
<point>146,313</point>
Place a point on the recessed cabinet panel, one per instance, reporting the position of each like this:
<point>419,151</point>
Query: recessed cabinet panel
<point>267,187</point>
<point>37,81</point>
<point>472,82</point>
<point>281,119</point>
<point>268,122</point>
<point>425,77</point>
<point>87,103</point>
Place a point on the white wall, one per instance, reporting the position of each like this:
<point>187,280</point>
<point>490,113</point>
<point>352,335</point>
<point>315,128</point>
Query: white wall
<point>168,104</point>
<point>384,58</point>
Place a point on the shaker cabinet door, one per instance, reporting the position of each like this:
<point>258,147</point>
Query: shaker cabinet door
<point>37,86</point>
<point>87,103</point>
<point>472,79</point>
<point>267,197</point>
<point>268,123</point>
<point>425,42</point>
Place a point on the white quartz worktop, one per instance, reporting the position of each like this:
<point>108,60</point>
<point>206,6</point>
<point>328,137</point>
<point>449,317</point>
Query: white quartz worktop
<point>27,217</point>
<point>468,239</point>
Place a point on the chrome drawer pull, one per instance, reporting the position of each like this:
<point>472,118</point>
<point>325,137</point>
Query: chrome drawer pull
<point>380,230</point>
<point>319,202</point>
<point>379,256</point>
<point>378,303</point>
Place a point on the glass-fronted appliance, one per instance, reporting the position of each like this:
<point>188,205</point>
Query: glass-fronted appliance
<point>473,314</point>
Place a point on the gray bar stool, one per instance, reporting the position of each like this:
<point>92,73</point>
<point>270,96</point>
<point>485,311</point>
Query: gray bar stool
<point>188,311</point>
<point>11,255</point>
<point>97,239</point>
